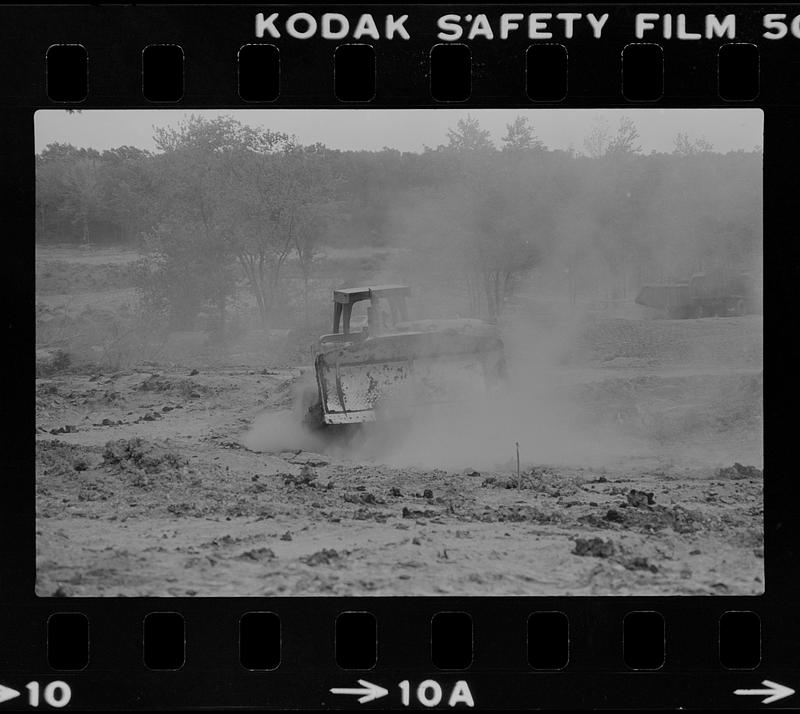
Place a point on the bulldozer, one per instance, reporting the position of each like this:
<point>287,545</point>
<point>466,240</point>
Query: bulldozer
<point>384,365</point>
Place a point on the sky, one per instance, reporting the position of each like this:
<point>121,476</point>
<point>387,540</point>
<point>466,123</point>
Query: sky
<point>727,129</point>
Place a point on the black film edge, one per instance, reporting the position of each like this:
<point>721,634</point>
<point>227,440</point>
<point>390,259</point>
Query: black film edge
<point>579,232</point>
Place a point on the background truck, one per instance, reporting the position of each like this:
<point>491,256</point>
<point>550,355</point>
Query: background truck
<point>715,293</point>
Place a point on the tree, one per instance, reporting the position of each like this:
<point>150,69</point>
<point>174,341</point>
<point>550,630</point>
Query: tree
<point>57,151</point>
<point>520,136</point>
<point>49,193</point>
<point>597,139</point>
<point>83,197</point>
<point>69,182</point>
<point>203,210</point>
<point>684,146</point>
<point>181,272</point>
<point>506,246</point>
<point>274,199</point>
<point>84,194</point>
<point>486,229</point>
<point>315,183</point>
<point>128,191</point>
<point>468,136</point>
<point>624,141</point>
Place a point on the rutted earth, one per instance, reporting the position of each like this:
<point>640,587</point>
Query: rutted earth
<point>144,487</point>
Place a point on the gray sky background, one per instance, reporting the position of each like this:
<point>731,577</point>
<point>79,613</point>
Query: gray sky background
<point>410,129</point>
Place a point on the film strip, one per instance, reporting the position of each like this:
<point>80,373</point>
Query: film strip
<point>166,547</point>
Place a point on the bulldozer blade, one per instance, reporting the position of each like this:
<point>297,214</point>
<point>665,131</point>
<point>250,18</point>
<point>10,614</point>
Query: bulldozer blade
<point>393,375</point>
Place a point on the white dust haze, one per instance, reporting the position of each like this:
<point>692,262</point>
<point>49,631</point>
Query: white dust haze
<point>534,407</point>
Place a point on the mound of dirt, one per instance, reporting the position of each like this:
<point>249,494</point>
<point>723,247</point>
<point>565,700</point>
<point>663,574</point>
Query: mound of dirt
<point>51,361</point>
<point>140,455</point>
<point>637,562</point>
<point>541,480</point>
<point>257,555</point>
<point>56,458</point>
<point>654,518</point>
<point>363,498</point>
<point>326,556</point>
<point>640,498</point>
<point>595,547</point>
<point>517,514</point>
<point>183,386</point>
<point>306,477</point>
<point>738,471</point>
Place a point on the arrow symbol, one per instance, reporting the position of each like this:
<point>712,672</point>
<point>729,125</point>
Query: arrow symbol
<point>7,693</point>
<point>773,692</point>
<point>367,691</point>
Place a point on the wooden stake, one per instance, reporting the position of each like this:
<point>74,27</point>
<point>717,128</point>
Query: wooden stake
<point>519,478</point>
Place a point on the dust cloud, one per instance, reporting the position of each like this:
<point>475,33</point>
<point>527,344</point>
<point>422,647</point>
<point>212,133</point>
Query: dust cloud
<point>480,428</point>
<point>569,327</point>
<point>532,407</point>
<point>276,431</point>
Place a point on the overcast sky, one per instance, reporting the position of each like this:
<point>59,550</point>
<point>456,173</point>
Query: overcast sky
<point>409,129</point>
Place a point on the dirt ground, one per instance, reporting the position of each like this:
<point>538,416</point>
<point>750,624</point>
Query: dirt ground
<point>145,486</point>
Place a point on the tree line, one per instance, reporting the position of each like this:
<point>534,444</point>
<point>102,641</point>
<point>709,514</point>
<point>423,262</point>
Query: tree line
<point>221,207</point>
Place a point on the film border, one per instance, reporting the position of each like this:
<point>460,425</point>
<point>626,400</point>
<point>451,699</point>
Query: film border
<point>499,677</point>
